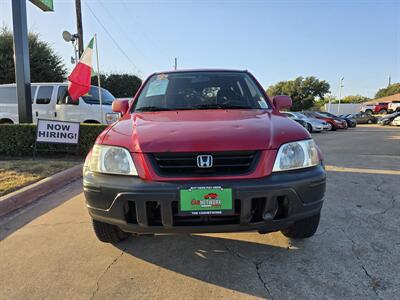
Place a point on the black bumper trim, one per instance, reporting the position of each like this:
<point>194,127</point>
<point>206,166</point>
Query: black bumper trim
<point>108,198</point>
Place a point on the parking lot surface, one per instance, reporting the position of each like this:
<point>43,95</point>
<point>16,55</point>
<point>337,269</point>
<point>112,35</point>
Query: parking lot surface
<point>48,250</point>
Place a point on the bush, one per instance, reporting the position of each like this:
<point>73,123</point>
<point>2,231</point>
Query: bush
<point>19,140</point>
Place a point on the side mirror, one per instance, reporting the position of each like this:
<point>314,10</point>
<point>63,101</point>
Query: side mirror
<point>282,101</point>
<point>120,106</point>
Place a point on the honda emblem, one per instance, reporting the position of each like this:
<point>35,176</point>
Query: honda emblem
<point>204,161</point>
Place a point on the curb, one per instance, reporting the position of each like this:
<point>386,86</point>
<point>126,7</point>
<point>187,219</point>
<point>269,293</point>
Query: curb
<point>30,193</point>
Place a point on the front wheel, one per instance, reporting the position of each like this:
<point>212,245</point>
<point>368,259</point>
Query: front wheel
<point>383,111</point>
<point>303,228</point>
<point>108,233</point>
<point>369,121</point>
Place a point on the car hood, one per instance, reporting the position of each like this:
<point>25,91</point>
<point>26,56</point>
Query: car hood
<point>316,121</point>
<point>389,117</point>
<point>203,131</point>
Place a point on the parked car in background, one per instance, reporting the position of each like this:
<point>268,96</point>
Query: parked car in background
<point>394,106</point>
<point>375,108</point>
<point>387,120</point>
<point>51,101</point>
<point>363,118</point>
<point>332,122</point>
<point>311,124</point>
<point>396,121</point>
<point>350,121</point>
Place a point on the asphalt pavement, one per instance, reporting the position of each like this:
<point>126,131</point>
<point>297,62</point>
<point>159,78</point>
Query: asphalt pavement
<point>48,249</point>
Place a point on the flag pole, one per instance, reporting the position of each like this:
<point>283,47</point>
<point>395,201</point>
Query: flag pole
<point>98,78</point>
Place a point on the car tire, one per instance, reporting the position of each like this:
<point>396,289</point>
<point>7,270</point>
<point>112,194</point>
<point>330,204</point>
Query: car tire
<point>383,111</point>
<point>108,233</point>
<point>309,128</point>
<point>368,111</point>
<point>304,228</point>
<point>369,121</point>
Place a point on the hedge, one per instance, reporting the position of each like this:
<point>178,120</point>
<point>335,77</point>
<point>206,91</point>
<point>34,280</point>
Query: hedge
<point>19,140</point>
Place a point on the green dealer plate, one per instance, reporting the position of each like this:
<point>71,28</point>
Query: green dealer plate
<point>206,201</point>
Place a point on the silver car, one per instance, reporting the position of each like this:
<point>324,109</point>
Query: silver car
<point>313,124</point>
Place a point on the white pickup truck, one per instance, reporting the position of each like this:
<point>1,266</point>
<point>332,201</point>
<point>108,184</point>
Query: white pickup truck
<point>51,101</point>
<point>394,106</point>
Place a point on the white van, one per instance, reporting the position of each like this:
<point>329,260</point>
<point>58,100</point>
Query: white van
<point>51,101</point>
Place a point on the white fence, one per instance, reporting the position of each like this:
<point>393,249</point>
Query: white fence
<point>343,109</point>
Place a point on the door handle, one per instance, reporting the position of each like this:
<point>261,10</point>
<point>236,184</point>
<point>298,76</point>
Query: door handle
<point>37,114</point>
<point>55,114</point>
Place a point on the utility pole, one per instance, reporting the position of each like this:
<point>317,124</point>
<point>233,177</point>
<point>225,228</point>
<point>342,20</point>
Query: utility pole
<point>21,61</point>
<point>340,94</point>
<point>390,79</point>
<point>79,28</point>
<point>176,63</point>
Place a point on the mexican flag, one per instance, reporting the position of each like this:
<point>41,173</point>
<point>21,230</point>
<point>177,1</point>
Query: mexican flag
<point>79,79</point>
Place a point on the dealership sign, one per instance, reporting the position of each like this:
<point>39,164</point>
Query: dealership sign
<point>45,5</point>
<point>49,131</point>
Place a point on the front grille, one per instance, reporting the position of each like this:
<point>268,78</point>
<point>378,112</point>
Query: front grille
<point>185,164</point>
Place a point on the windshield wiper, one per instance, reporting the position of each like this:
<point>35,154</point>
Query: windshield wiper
<point>152,108</point>
<point>221,106</point>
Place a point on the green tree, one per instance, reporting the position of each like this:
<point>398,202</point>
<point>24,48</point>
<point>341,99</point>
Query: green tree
<point>388,91</point>
<point>355,99</point>
<point>45,64</point>
<point>120,85</point>
<point>123,85</point>
<point>303,91</point>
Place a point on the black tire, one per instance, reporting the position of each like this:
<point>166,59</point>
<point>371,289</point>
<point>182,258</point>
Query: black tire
<point>108,233</point>
<point>383,111</point>
<point>368,111</point>
<point>369,121</point>
<point>309,128</point>
<point>303,229</point>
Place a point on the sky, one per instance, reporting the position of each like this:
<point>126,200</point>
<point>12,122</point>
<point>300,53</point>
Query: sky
<point>274,40</point>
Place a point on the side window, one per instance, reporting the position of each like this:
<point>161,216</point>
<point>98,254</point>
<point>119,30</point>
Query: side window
<point>62,95</point>
<point>44,95</point>
<point>8,95</point>
<point>33,91</point>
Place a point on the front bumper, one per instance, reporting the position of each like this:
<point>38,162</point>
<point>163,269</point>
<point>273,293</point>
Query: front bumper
<point>264,204</point>
<point>318,127</point>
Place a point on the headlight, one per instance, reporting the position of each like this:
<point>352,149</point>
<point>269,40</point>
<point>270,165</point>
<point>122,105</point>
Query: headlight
<point>111,160</point>
<point>296,155</point>
<point>112,117</point>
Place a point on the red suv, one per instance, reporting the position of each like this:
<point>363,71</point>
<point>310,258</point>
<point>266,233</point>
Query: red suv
<point>376,108</point>
<point>190,135</point>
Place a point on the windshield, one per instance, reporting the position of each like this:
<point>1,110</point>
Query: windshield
<point>392,115</point>
<point>328,114</point>
<point>200,90</point>
<point>299,115</point>
<point>92,97</point>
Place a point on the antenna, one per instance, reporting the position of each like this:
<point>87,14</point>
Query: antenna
<point>176,63</point>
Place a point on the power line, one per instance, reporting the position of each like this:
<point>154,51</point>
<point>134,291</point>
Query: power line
<point>143,31</point>
<point>112,39</point>
<point>122,29</point>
